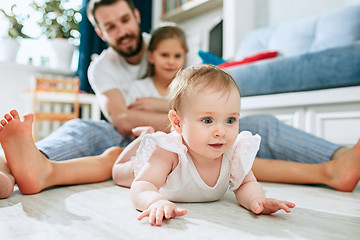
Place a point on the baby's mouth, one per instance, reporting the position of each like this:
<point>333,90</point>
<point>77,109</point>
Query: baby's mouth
<point>216,145</point>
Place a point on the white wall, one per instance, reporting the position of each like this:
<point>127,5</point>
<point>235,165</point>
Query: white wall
<point>261,13</point>
<point>241,16</point>
<point>196,29</point>
<point>197,32</point>
<point>16,81</point>
<point>295,9</point>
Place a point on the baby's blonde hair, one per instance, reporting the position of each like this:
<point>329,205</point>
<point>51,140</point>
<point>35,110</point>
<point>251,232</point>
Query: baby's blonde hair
<point>208,76</point>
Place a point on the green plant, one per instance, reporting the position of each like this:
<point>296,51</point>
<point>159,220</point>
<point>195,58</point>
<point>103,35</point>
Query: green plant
<point>57,20</point>
<point>15,23</point>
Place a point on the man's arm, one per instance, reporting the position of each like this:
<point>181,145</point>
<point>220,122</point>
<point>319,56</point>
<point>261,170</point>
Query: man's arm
<point>151,104</point>
<point>113,106</point>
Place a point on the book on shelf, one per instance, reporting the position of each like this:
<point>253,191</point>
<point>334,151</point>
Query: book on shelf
<point>171,5</point>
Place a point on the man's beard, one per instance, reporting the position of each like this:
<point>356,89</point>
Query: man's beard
<point>130,52</point>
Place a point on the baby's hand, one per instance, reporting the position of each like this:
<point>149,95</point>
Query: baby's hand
<point>270,205</point>
<point>161,209</point>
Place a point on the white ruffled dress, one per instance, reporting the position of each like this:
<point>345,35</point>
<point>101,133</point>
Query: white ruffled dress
<point>184,183</point>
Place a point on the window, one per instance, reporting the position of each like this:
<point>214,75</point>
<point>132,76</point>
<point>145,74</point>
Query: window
<point>38,24</point>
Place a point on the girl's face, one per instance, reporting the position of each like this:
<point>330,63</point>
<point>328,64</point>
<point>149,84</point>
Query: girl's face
<point>167,58</point>
<point>209,122</point>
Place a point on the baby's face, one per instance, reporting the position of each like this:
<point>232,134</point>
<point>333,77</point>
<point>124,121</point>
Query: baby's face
<point>209,122</point>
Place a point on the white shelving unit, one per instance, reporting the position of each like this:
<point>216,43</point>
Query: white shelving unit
<point>191,9</point>
<point>17,81</point>
<point>332,114</point>
<point>51,102</point>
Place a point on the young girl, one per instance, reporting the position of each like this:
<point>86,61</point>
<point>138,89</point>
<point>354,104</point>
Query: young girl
<point>34,172</point>
<point>204,155</point>
<point>166,54</point>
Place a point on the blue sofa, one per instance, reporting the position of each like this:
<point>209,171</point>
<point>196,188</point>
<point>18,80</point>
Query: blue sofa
<point>319,52</point>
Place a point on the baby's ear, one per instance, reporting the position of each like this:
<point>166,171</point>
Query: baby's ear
<point>175,121</point>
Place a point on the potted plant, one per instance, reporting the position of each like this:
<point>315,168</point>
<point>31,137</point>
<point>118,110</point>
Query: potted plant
<point>9,45</point>
<point>60,24</point>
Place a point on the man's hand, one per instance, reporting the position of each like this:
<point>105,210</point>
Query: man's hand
<point>161,209</point>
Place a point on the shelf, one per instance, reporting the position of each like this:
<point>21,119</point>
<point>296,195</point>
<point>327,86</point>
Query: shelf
<point>87,101</point>
<point>38,69</point>
<point>191,9</point>
<point>309,98</point>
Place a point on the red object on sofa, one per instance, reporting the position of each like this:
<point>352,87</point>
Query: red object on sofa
<point>250,59</point>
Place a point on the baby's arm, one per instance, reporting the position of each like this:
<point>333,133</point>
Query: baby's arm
<point>251,195</point>
<point>123,170</point>
<point>145,188</point>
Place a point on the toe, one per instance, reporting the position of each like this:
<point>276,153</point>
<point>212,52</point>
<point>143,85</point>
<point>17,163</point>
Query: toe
<point>15,114</point>
<point>3,122</point>
<point>8,117</point>
<point>29,117</point>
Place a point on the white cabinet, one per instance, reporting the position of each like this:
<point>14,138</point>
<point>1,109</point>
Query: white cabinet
<point>332,114</point>
<point>338,123</point>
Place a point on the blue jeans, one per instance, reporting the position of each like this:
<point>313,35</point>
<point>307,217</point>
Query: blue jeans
<point>79,138</point>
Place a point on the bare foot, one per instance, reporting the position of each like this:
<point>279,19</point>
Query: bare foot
<point>344,170</point>
<point>29,167</point>
<point>7,181</point>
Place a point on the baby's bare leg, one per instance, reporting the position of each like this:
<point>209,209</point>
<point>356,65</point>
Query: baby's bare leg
<point>34,172</point>
<point>341,173</point>
<point>123,170</point>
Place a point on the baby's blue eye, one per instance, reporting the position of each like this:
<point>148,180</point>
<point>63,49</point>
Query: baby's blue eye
<point>230,120</point>
<point>207,120</point>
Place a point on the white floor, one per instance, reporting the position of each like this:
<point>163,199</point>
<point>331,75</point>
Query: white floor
<point>104,211</point>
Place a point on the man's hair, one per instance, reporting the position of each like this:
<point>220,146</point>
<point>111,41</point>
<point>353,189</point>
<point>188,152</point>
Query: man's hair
<point>204,76</point>
<point>94,4</point>
<point>163,33</point>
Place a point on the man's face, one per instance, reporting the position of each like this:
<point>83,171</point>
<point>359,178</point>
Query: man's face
<point>119,27</point>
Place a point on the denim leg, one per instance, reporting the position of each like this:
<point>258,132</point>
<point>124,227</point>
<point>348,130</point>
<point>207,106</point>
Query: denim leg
<point>281,141</point>
<point>79,138</point>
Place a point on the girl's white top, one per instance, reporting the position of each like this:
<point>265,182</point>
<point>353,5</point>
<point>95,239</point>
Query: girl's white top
<point>184,183</point>
<point>140,89</point>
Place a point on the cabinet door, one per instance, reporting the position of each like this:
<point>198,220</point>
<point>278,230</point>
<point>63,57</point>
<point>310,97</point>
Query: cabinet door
<point>338,123</point>
<point>291,116</point>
